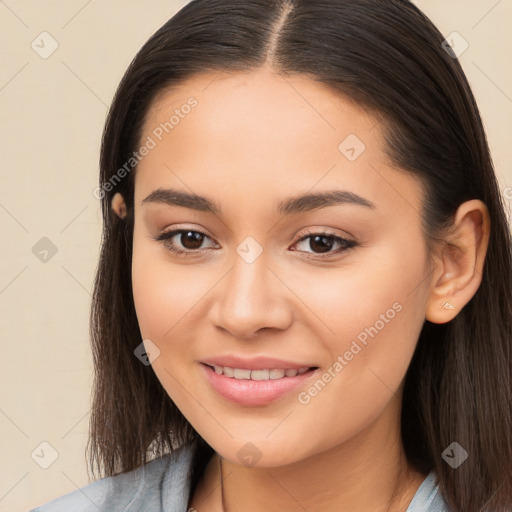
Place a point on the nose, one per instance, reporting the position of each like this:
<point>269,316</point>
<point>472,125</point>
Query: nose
<point>249,299</point>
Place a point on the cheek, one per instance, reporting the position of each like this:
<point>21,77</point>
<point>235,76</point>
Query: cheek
<point>166,296</point>
<point>163,292</point>
<point>151,293</point>
<point>171,302</point>
<point>369,323</point>
<point>370,312</point>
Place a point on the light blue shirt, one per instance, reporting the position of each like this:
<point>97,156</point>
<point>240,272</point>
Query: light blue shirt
<point>163,485</point>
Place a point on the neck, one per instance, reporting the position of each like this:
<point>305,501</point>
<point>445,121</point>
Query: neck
<point>368,472</point>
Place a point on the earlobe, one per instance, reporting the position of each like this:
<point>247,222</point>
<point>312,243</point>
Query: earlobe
<point>459,263</point>
<point>118,205</point>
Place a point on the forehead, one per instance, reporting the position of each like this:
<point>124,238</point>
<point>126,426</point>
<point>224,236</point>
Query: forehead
<point>263,101</point>
<point>261,132</point>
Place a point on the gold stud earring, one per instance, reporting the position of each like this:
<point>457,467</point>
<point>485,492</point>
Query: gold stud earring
<point>447,305</point>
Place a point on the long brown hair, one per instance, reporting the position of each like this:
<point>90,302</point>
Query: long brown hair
<point>388,57</point>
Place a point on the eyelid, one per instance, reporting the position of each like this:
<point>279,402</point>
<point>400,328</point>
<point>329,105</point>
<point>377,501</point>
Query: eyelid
<point>181,228</point>
<point>323,231</point>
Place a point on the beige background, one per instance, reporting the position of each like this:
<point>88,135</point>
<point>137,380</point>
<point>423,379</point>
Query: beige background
<point>52,113</point>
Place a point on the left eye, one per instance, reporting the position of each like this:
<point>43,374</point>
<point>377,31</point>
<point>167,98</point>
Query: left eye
<point>191,241</point>
<point>324,242</point>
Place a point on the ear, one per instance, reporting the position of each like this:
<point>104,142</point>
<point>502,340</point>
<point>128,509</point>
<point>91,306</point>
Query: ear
<point>459,263</point>
<point>118,205</point>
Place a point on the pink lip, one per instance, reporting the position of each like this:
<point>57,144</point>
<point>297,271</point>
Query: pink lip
<point>254,392</point>
<point>254,363</point>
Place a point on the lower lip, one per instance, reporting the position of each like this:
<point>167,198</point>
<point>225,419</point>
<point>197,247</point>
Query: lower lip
<point>254,392</point>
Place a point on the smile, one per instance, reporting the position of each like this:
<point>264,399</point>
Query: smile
<point>256,387</point>
<point>264,374</point>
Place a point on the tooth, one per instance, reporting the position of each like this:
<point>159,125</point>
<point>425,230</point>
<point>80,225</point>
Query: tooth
<point>276,374</point>
<point>242,374</point>
<point>228,372</point>
<point>245,374</point>
<point>260,374</point>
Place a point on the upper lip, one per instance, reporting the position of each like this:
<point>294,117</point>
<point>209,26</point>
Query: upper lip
<point>254,363</point>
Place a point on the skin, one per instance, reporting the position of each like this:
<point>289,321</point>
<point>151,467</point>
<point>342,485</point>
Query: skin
<point>253,140</point>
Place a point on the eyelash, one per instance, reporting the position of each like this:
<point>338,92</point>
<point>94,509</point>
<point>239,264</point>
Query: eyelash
<point>165,238</point>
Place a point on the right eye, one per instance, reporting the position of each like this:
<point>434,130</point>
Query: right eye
<point>189,241</point>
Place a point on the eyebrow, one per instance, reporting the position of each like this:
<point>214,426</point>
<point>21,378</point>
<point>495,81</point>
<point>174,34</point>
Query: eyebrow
<point>301,203</point>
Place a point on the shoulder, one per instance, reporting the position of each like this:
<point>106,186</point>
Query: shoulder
<point>162,484</point>
<point>428,497</point>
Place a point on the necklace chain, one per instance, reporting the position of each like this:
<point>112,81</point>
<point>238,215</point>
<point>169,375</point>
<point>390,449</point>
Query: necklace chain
<point>222,487</point>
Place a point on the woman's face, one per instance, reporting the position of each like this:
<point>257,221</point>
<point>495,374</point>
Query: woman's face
<point>266,274</point>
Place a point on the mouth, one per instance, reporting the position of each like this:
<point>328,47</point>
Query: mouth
<point>256,387</point>
<point>259,374</point>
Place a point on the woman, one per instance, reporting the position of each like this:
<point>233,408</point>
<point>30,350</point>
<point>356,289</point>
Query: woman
<point>303,297</point>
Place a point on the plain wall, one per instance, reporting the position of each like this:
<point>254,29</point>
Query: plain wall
<point>52,114</point>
